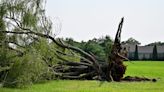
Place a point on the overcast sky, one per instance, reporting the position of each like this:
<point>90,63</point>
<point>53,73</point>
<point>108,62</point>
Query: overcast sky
<point>86,19</point>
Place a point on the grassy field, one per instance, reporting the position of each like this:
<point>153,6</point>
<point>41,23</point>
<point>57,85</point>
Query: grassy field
<point>143,69</point>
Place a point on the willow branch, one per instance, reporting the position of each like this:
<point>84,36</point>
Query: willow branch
<point>61,44</point>
<point>15,43</point>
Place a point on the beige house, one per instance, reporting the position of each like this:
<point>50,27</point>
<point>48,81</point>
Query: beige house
<point>144,52</point>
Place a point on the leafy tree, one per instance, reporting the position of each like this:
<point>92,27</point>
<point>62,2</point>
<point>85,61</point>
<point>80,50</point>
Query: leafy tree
<point>70,41</point>
<point>28,57</point>
<point>23,58</point>
<point>92,47</point>
<point>106,42</point>
<point>100,47</point>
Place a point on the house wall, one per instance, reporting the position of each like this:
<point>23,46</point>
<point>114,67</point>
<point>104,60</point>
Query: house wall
<point>144,52</point>
<point>144,56</point>
<point>161,56</point>
<point>131,55</point>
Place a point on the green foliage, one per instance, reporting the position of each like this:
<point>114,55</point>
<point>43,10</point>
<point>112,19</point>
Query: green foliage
<point>2,24</point>
<point>106,43</point>
<point>95,48</point>
<point>34,65</point>
<point>71,56</point>
<point>29,19</point>
<point>131,41</point>
<point>20,70</point>
<point>6,61</point>
<point>2,11</point>
<point>26,70</point>
<point>24,15</point>
<point>4,57</point>
<point>100,47</point>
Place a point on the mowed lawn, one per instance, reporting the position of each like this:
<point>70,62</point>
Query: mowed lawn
<point>153,69</point>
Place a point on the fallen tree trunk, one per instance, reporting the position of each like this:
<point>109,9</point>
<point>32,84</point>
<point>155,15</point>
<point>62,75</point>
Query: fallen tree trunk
<point>111,70</point>
<point>89,68</point>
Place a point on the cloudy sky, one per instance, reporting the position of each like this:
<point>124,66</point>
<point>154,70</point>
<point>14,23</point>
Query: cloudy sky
<point>86,19</point>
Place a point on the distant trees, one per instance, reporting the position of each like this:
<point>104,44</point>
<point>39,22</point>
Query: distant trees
<point>100,47</point>
<point>106,42</point>
<point>131,41</point>
<point>156,43</point>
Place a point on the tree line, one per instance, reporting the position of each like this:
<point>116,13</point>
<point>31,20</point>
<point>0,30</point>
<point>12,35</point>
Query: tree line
<point>101,46</point>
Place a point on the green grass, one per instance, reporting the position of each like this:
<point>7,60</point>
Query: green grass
<point>144,69</point>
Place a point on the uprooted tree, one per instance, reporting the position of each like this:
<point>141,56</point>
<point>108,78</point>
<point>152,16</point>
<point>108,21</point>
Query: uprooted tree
<point>91,68</point>
<point>23,27</point>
